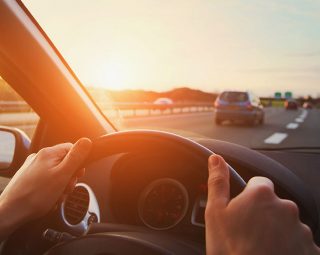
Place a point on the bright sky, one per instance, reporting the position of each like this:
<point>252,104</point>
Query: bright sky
<point>263,46</point>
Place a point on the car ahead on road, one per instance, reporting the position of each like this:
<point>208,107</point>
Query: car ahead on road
<point>307,105</point>
<point>291,104</point>
<point>163,101</point>
<point>109,211</point>
<point>238,106</point>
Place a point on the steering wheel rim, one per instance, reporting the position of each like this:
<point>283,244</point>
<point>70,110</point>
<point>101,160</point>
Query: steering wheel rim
<point>142,141</point>
<point>149,140</point>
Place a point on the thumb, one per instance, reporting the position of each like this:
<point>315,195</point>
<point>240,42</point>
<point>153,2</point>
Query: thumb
<point>218,182</point>
<point>75,157</point>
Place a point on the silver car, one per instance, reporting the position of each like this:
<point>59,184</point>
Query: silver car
<point>238,106</point>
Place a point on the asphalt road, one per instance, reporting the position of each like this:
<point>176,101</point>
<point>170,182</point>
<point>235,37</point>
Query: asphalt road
<point>282,128</point>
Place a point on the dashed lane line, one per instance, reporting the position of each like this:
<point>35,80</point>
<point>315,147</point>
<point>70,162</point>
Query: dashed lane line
<point>302,116</point>
<point>276,138</point>
<point>299,120</point>
<point>292,126</point>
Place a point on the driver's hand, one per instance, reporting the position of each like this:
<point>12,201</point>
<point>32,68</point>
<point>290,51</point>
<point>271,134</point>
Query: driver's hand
<point>254,222</point>
<point>40,183</point>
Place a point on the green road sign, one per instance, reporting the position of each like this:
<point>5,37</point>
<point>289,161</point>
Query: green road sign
<point>277,95</point>
<point>288,94</point>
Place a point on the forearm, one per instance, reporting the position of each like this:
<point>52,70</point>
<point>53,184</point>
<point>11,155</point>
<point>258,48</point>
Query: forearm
<point>10,219</point>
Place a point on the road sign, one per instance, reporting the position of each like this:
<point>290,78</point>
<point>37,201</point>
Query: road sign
<point>277,95</point>
<point>288,94</point>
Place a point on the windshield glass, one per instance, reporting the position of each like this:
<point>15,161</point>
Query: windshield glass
<point>162,65</point>
<point>234,96</point>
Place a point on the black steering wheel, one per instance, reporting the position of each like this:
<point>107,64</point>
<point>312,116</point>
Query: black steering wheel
<point>133,240</point>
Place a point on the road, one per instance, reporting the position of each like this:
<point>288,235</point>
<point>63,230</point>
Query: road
<point>282,128</point>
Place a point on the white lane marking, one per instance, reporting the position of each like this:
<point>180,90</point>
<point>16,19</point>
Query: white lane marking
<point>299,120</point>
<point>292,125</point>
<point>303,116</point>
<point>276,138</point>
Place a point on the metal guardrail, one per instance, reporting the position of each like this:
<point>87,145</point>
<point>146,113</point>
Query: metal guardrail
<point>19,114</point>
<point>19,106</point>
<point>151,109</point>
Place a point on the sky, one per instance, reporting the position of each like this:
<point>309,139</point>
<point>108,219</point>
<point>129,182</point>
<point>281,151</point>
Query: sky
<point>212,45</point>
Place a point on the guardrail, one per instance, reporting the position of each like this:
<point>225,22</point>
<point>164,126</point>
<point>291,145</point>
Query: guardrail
<point>130,108</point>
<point>136,109</point>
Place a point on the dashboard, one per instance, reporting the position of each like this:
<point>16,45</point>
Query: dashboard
<point>157,192</point>
<point>168,193</point>
<point>161,197</point>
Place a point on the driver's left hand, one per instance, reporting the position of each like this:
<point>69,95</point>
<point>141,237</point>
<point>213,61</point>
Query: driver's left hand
<point>40,183</point>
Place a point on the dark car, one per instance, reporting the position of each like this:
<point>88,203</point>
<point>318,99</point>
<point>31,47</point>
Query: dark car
<point>307,105</point>
<point>238,106</point>
<point>291,104</point>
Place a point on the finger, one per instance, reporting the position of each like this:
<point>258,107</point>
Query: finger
<point>75,157</point>
<point>218,182</point>
<point>61,150</point>
<point>30,158</point>
<point>291,208</point>
<point>259,181</point>
<point>261,187</point>
<point>57,151</point>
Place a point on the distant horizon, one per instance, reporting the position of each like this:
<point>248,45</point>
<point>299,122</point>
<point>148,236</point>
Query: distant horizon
<point>182,87</point>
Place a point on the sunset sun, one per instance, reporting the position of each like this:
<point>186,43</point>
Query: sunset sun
<point>116,75</point>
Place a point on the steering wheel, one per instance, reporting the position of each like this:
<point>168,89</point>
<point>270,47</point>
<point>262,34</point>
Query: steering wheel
<point>121,239</point>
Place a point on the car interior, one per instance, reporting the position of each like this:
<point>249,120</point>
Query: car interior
<point>119,206</point>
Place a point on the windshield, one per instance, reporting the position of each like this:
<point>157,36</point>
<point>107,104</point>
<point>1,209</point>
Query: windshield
<point>234,96</point>
<point>162,65</point>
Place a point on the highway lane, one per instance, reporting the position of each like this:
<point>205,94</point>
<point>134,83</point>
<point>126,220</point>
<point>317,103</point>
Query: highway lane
<point>282,128</point>
<point>304,133</point>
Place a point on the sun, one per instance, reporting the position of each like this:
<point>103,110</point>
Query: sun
<point>117,74</point>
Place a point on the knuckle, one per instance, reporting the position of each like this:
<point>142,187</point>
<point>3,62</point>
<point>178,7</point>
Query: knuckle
<point>306,232</point>
<point>31,155</point>
<point>44,153</point>
<point>74,156</point>
<point>216,180</point>
<point>217,184</point>
<point>291,208</point>
<point>263,192</point>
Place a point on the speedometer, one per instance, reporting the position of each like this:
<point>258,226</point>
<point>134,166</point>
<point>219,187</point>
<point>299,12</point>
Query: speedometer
<point>163,204</point>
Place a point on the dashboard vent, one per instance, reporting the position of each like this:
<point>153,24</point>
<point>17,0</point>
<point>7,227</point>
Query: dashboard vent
<point>76,205</point>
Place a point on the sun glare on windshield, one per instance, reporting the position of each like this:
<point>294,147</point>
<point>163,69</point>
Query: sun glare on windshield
<point>245,72</point>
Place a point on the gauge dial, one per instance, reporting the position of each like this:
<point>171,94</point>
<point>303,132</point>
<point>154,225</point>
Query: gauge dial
<point>163,204</point>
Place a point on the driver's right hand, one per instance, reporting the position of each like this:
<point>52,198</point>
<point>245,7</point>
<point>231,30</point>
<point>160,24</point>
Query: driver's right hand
<point>254,222</point>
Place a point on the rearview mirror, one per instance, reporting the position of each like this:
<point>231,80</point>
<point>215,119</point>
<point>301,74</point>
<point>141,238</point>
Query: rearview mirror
<point>14,149</point>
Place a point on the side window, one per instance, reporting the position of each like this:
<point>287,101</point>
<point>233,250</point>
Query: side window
<point>14,111</point>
